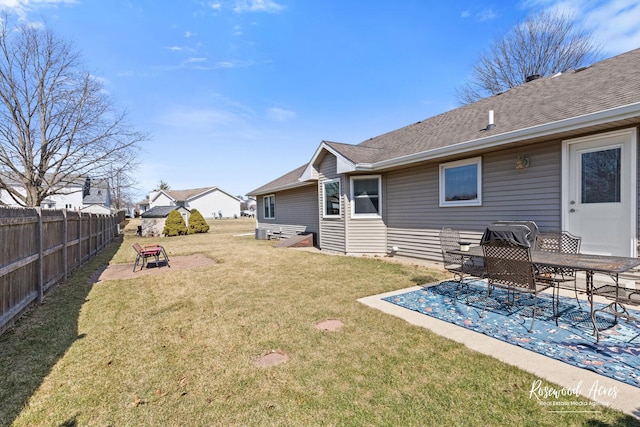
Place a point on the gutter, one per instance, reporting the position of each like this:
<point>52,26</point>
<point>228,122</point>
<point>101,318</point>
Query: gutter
<point>289,186</point>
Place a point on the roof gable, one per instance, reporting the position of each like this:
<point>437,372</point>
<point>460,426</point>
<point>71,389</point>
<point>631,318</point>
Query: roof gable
<point>287,181</point>
<point>186,195</point>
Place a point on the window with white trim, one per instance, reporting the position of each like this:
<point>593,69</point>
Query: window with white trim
<point>331,199</point>
<point>269,206</point>
<point>461,183</point>
<point>366,196</point>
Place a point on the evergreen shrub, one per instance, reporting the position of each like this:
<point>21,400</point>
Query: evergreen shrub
<point>197,223</point>
<point>174,225</point>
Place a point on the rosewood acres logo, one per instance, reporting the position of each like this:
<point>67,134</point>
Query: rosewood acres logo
<point>550,396</point>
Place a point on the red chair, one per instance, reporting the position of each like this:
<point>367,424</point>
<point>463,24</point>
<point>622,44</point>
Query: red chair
<point>149,251</point>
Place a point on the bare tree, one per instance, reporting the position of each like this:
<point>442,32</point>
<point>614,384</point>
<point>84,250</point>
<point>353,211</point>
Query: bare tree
<point>56,122</point>
<point>122,183</point>
<point>544,44</point>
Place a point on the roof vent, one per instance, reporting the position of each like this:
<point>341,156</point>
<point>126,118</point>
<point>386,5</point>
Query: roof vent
<point>531,78</point>
<point>491,124</point>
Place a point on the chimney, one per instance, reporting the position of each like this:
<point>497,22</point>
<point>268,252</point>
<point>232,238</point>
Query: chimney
<point>87,187</point>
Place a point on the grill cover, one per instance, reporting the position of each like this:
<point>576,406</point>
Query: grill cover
<point>521,233</point>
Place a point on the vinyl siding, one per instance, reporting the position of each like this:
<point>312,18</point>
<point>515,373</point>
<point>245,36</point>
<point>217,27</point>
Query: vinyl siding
<point>296,210</point>
<point>366,235</point>
<point>212,203</point>
<point>332,230</point>
<point>638,188</point>
<point>414,218</point>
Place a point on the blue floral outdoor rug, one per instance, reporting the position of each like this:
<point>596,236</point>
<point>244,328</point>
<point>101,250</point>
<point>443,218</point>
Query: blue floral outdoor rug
<point>616,356</point>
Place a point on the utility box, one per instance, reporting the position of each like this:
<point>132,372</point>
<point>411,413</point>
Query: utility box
<point>262,234</point>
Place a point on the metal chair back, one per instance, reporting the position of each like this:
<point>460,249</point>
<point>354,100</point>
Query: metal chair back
<point>558,241</point>
<point>509,266</point>
<point>450,240</point>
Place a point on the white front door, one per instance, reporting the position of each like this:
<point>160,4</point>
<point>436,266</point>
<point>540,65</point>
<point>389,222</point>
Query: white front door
<point>600,188</point>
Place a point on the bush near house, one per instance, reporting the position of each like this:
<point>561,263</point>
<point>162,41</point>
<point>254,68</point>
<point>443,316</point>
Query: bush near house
<point>197,224</point>
<point>174,225</point>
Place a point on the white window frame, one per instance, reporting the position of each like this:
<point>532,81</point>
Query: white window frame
<point>444,166</point>
<point>324,199</point>
<point>272,215</point>
<point>353,200</point>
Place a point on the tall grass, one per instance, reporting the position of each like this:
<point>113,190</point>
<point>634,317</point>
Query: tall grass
<point>179,348</point>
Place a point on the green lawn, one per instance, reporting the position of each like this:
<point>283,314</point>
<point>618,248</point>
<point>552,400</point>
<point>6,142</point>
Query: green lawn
<point>180,348</point>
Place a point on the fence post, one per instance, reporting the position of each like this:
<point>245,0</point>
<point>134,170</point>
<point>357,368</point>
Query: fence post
<point>79,251</point>
<point>65,244</point>
<point>40,263</point>
<point>90,235</point>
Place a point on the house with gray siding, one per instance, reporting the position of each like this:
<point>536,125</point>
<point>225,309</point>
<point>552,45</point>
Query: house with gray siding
<point>296,201</point>
<point>561,151</point>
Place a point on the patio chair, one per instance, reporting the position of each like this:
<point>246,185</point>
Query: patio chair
<point>460,266</point>
<point>509,267</point>
<point>149,251</point>
<point>563,242</point>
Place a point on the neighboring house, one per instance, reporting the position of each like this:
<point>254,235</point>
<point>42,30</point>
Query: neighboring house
<point>561,151</point>
<point>143,206</point>
<point>210,201</point>
<point>96,194</point>
<point>248,207</point>
<point>81,194</point>
<point>99,209</point>
<point>154,219</point>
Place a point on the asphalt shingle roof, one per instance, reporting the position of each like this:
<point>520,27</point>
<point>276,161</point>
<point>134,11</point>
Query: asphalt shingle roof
<point>159,211</point>
<point>98,192</point>
<point>604,85</point>
<point>608,84</point>
<point>288,179</point>
<point>182,195</point>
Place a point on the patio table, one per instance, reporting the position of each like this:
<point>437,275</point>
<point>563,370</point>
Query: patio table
<point>612,266</point>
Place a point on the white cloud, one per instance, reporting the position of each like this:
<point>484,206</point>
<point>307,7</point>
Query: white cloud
<point>483,15</point>
<point>257,6</point>
<point>197,59</point>
<point>615,23</point>
<point>233,64</point>
<point>21,7</point>
<point>486,15</point>
<point>280,114</point>
<point>200,120</point>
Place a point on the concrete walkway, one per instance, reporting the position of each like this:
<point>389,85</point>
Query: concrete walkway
<point>570,379</point>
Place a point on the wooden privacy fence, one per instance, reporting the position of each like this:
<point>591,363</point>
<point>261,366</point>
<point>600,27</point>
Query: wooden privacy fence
<point>41,247</point>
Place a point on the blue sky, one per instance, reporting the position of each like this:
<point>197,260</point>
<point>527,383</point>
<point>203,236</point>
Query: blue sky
<point>236,93</point>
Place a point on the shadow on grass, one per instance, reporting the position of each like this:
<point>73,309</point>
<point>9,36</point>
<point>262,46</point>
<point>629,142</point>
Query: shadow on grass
<point>424,279</point>
<point>30,349</point>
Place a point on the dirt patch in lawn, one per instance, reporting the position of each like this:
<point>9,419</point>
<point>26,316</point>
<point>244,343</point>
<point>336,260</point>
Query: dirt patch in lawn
<point>176,263</point>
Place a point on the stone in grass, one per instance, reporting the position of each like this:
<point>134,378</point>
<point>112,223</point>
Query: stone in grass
<point>329,325</point>
<point>272,358</point>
